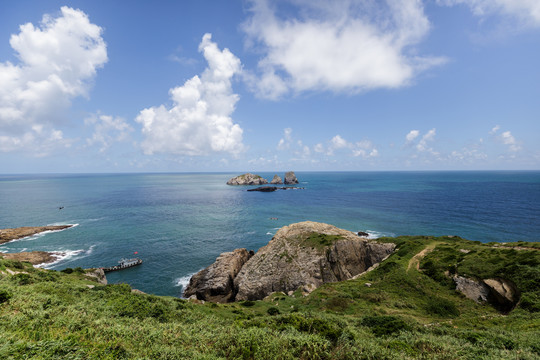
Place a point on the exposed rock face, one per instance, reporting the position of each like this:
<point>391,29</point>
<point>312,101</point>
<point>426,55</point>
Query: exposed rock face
<point>300,256</point>
<point>290,178</point>
<point>502,294</point>
<point>276,180</point>
<point>19,233</point>
<point>247,179</point>
<point>99,274</point>
<point>472,289</point>
<point>307,254</point>
<point>216,282</point>
<point>505,294</point>
<point>33,257</point>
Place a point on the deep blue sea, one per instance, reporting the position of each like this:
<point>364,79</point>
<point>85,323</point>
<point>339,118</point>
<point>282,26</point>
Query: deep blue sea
<point>179,223</point>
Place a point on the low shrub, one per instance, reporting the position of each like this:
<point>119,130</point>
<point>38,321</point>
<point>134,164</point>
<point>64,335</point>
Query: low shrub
<point>22,279</point>
<point>385,324</point>
<point>441,307</point>
<point>272,311</point>
<point>4,296</point>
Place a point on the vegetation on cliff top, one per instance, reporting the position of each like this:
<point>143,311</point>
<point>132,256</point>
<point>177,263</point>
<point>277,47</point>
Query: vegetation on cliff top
<point>393,312</point>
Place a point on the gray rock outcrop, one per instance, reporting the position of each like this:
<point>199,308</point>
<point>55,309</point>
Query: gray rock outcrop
<point>216,282</point>
<point>276,180</point>
<point>247,179</point>
<point>501,293</point>
<point>290,178</point>
<point>307,254</point>
<point>98,274</point>
<point>472,289</point>
<point>300,256</point>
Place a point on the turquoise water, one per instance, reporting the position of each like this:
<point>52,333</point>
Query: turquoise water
<point>179,223</point>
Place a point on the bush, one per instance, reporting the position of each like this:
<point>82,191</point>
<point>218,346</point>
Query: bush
<point>385,325</point>
<point>247,303</point>
<point>21,279</point>
<point>272,311</point>
<point>47,275</point>
<point>67,271</point>
<point>137,306</point>
<point>4,296</point>
<point>442,307</point>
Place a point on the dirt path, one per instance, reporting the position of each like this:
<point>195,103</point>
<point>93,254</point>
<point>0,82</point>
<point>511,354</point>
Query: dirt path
<point>415,260</point>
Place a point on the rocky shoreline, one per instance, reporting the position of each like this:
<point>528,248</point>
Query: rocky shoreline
<point>34,257</point>
<point>7,235</point>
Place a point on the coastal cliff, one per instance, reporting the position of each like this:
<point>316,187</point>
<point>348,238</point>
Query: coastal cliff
<point>300,256</point>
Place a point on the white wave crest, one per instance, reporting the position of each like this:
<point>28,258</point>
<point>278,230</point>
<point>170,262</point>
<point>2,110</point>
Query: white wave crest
<point>61,256</point>
<point>183,282</point>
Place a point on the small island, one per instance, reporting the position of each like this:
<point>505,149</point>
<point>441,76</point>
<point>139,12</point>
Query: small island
<point>253,179</point>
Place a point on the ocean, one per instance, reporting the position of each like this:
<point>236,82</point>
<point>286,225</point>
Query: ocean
<point>179,223</point>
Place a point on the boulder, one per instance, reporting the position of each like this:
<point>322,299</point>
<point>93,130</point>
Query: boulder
<point>472,289</point>
<point>502,294</point>
<point>276,180</point>
<point>363,234</point>
<point>505,294</point>
<point>99,274</point>
<point>290,178</point>
<point>215,283</point>
<point>306,254</point>
<point>247,179</point>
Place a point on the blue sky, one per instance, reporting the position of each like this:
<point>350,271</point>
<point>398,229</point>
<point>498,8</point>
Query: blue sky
<point>140,86</point>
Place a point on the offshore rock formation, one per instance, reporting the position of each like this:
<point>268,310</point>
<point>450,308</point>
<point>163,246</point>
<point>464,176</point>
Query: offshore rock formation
<point>7,235</point>
<point>276,180</point>
<point>216,282</point>
<point>300,256</point>
<point>290,178</point>
<point>247,179</point>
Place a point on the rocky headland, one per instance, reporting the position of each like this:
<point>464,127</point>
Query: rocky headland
<point>300,256</point>
<point>7,235</point>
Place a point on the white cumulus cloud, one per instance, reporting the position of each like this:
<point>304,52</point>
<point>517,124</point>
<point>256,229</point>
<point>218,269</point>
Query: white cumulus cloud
<point>413,134</point>
<point>427,138</point>
<point>57,61</point>
<point>199,122</point>
<point>107,130</point>
<point>527,12</point>
<point>340,46</point>
<point>508,139</point>
<point>285,142</point>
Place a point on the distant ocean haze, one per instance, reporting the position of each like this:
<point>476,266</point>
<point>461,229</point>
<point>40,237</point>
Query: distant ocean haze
<point>180,223</point>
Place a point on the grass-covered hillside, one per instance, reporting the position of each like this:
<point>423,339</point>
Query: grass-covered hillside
<point>405,308</point>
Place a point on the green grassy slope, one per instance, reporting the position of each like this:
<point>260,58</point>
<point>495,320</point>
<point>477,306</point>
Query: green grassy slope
<point>403,313</point>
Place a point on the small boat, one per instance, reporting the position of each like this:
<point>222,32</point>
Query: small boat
<point>123,264</point>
